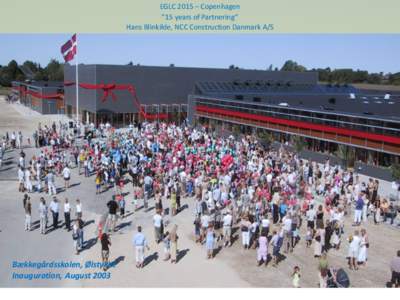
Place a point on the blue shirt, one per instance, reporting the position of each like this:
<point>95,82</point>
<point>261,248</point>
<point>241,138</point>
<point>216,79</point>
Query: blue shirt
<point>359,204</point>
<point>122,203</point>
<point>283,208</point>
<point>139,239</point>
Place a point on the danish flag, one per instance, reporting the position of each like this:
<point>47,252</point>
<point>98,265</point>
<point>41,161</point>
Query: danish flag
<point>68,50</point>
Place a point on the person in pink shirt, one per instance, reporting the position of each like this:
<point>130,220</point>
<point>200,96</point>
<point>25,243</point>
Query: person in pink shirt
<point>262,251</point>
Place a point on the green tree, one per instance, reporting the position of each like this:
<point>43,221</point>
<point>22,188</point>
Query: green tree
<point>298,143</point>
<point>13,69</point>
<point>360,76</point>
<point>265,136</point>
<point>41,74</point>
<point>10,73</point>
<point>394,78</point>
<point>5,77</point>
<point>324,74</point>
<point>374,78</point>
<point>30,65</point>
<point>291,65</point>
<point>395,168</point>
<point>346,154</point>
<point>55,71</point>
<point>236,129</point>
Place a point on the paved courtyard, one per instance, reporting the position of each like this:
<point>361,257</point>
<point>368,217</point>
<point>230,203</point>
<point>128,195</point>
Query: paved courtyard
<point>232,267</point>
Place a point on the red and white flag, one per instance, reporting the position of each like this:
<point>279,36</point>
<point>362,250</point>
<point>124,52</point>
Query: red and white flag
<point>68,50</point>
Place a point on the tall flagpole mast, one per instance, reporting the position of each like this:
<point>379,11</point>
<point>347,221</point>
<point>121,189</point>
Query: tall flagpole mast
<point>77,81</point>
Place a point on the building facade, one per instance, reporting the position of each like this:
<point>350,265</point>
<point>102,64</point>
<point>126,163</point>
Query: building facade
<point>45,97</point>
<point>326,117</point>
<point>107,92</point>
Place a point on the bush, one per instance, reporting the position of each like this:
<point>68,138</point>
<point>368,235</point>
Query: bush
<point>265,136</point>
<point>346,154</point>
<point>298,143</point>
<point>395,168</point>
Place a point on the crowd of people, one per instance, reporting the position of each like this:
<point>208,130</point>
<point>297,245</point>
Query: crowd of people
<point>273,197</point>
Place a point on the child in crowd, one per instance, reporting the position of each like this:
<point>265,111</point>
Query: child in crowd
<point>309,235</point>
<point>98,184</point>
<point>137,194</point>
<point>317,246</point>
<point>335,239</point>
<point>197,228</point>
<point>167,246</point>
<point>121,203</point>
<point>296,277</point>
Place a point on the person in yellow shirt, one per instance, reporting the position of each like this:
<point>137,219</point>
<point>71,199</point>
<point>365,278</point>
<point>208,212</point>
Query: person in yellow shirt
<point>82,158</point>
<point>173,202</point>
<point>98,184</point>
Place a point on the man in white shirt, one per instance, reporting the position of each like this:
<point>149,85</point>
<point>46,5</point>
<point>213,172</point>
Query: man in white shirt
<point>54,208</point>
<point>287,228</point>
<point>158,226</point>
<point>148,184</point>
<point>19,140</point>
<point>50,183</point>
<point>21,179</point>
<point>216,194</point>
<point>43,215</point>
<point>292,179</point>
<point>67,214</point>
<point>310,215</point>
<point>38,177</point>
<point>13,138</point>
<point>269,181</point>
<point>210,203</point>
<point>204,225</point>
<point>250,192</point>
<point>265,225</point>
<point>78,209</point>
<point>28,182</point>
<point>227,180</point>
<point>183,179</point>
<point>227,224</point>
<point>21,162</point>
<point>67,176</point>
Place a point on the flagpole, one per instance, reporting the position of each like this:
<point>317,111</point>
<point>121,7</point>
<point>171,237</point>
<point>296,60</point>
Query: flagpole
<point>77,82</point>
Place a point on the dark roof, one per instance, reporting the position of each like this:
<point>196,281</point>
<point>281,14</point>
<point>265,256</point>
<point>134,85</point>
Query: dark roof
<point>309,77</point>
<point>319,98</point>
<point>270,87</point>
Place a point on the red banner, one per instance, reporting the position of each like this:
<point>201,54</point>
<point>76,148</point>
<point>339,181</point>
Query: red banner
<point>300,124</point>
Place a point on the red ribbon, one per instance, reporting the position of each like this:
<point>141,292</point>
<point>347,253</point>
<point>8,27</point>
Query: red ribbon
<point>108,91</point>
<point>25,92</point>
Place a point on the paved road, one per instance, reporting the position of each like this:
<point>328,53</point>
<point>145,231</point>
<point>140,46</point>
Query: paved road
<point>8,168</point>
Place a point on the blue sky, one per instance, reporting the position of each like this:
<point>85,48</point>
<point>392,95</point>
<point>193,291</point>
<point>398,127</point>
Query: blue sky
<point>374,53</point>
